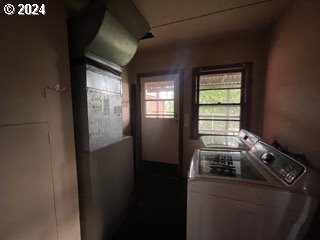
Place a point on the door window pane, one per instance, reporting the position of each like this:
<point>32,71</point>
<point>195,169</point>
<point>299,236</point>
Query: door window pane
<point>159,99</point>
<point>159,90</point>
<point>160,109</point>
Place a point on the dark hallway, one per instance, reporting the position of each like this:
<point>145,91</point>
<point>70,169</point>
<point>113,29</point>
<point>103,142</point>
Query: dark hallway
<point>159,212</point>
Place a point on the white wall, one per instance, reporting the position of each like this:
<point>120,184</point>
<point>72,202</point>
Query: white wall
<point>107,185</point>
<point>292,114</point>
<point>125,103</point>
<point>39,198</point>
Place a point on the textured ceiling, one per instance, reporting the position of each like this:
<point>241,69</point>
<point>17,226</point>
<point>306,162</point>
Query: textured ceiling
<point>176,22</point>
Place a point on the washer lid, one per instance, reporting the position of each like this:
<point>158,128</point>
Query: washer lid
<point>220,142</point>
<point>244,141</point>
<point>231,165</point>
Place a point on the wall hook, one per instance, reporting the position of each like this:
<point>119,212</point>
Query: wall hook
<point>57,88</point>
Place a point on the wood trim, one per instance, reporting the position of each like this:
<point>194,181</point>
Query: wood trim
<point>222,68</point>
<point>194,110</point>
<point>246,69</point>
<point>138,116</point>
<point>216,89</point>
<point>220,104</point>
<point>138,128</point>
<point>181,123</point>
<point>133,123</point>
<point>222,119</point>
<point>249,79</point>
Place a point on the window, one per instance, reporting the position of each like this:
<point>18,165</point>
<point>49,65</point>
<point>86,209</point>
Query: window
<point>159,99</point>
<point>220,102</point>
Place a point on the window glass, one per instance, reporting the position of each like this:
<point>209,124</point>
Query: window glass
<point>219,127</point>
<point>159,99</point>
<point>219,112</point>
<point>220,80</point>
<point>219,103</point>
<point>220,96</point>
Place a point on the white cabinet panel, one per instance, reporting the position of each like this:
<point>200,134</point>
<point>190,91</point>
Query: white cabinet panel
<point>64,164</point>
<point>26,199</point>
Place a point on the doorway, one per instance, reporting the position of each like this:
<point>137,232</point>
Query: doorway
<point>159,123</point>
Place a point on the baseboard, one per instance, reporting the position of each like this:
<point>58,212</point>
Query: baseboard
<point>162,169</point>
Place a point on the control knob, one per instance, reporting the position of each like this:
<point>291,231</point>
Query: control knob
<point>267,158</point>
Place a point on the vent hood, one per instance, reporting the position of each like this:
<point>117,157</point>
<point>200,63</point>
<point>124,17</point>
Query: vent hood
<point>106,31</point>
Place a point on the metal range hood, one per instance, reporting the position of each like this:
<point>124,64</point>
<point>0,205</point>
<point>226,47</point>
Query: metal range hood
<point>107,31</point>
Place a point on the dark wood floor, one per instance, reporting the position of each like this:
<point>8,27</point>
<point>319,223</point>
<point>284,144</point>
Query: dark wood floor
<point>159,212</point>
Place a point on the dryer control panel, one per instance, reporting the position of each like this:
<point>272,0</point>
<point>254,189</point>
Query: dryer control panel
<point>282,165</point>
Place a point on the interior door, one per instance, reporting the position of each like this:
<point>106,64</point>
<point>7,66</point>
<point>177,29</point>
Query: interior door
<point>159,118</point>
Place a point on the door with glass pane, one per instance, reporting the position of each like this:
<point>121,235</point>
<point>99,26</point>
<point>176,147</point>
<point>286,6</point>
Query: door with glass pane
<point>159,118</point>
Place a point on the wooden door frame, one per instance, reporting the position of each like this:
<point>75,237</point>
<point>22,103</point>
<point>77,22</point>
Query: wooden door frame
<point>137,125</point>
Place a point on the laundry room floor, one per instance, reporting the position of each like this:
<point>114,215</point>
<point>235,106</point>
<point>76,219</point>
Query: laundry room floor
<point>159,212</point>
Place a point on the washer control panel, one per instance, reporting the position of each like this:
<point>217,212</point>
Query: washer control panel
<point>249,138</point>
<point>282,165</point>
<point>287,169</point>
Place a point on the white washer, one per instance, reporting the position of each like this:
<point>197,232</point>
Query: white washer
<point>243,141</point>
<point>262,194</point>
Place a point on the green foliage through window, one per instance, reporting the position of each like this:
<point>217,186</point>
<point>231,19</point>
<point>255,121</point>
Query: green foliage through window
<point>220,96</point>
<point>219,103</point>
